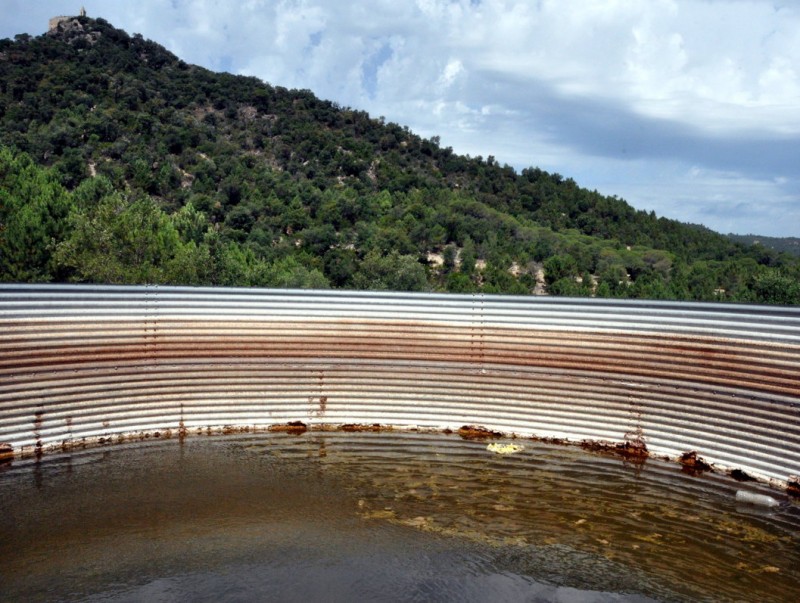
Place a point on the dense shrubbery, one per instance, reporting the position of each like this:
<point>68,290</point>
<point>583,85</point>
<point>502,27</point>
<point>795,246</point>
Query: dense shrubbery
<point>122,164</point>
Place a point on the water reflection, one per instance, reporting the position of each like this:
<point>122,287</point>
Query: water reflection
<point>382,516</point>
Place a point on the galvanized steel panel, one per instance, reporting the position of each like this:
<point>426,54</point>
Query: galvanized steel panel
<point>81,362</point>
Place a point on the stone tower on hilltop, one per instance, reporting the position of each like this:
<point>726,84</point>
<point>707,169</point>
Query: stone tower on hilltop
<point>56,20</point>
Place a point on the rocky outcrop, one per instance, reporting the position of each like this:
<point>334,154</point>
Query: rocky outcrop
<point>72,29</point>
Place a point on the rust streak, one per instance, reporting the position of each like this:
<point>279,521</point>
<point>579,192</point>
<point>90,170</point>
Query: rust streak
<point>477,432</point>
<point>6,453</point>
<point>693,464</point>
<point>628,449</point>
<point>38,421</point>
<point>293,427</point>
<point>759,366</point>
<point>356,428</point>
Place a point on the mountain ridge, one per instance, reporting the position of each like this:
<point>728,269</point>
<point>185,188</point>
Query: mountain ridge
<point>281,174</point>
<point>789,245</point>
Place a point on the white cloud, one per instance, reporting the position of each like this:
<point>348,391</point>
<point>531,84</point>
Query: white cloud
<point>451,71</point>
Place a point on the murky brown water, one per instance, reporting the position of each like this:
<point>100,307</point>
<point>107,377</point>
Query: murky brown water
<point>382,517</point>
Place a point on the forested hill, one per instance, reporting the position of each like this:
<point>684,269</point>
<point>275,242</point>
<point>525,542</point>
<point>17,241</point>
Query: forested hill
<point>120,163</point>
<point>788,244</point>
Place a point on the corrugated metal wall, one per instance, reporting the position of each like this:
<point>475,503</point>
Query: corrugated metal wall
<point>94,362</point>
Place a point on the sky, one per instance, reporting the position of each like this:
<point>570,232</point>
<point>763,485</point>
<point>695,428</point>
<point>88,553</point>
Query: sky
<point>689,108</point>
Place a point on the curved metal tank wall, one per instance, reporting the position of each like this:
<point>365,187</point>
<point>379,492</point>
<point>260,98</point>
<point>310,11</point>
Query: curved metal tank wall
<point>82,363</point>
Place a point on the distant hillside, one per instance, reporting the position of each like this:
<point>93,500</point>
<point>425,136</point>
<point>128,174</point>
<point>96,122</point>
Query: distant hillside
<point>780,244</point>
<point>122,163</point>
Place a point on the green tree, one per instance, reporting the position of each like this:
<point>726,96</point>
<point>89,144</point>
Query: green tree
<point>468,257</point>
<point>449,256</point>
<point>558,267</point>
<point>701,281</point>
<point>567,286</point>
<point>650,286</point>
<point>119,241</point>
<point>289,273</point>
<point>190,223</point>
<point>497,279</point>
<point>33,211</point>
<point>318,240</point>
<point>391,272</point>
<point>340,266</point>
<point>612,281</point>
<point>776,287</point>
<point>458,282</point>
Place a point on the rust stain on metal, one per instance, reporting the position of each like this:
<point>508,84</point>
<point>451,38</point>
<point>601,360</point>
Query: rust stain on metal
<point>292,427</point>
<point>634,450</point>
<point>356,427</point>
<point>693,464</point>
<point>477,432</point>
<point>38,421</point>
<point>793,486</point>
<point>71,444</point>
<point>323,399</point>
<point>759,366</point>
<point>229,429</point>
<point>321,405</point>
<point>181,426</point>
<point>741,476</point>
<point>549,440</point>
<point>6,453</point>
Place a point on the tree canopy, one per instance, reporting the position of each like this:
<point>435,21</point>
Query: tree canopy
<point>120,163</point>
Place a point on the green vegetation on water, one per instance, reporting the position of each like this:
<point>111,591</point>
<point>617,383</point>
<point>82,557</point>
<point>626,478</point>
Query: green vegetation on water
<point>120,163</point>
